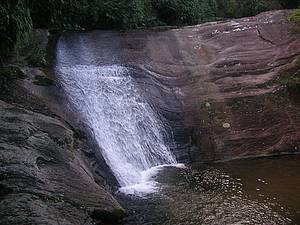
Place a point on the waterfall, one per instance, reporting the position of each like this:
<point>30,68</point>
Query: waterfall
<point>126,128</point>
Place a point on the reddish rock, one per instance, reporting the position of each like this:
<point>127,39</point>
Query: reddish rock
<point>219,85</point>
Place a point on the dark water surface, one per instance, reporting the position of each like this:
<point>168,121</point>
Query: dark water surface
<point>254,191</point>
<point>273,181</point>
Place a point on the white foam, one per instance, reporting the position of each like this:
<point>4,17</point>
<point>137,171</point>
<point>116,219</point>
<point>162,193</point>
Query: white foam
<point>148,184</point>
<point>129,132</point>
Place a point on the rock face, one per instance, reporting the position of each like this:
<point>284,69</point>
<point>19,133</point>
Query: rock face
<point>49,174</point>
<point>44,177</point>
<point>218,84</point>
<point>229,76</point>
<point>234,100</point>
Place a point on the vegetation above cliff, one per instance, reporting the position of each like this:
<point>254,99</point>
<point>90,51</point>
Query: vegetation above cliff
<point>294,17</point>
<point>18,17</point>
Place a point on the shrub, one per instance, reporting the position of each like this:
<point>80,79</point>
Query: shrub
<point>58,14</point>
<point>289,4</point>
<point>6,42</point>
<point>15,26</point>
<point>294,17</point>
<point>184,12</point>
<point>37,57</point>
<point>242,8</point>
<point>78,14</point>
<point>133,13</point>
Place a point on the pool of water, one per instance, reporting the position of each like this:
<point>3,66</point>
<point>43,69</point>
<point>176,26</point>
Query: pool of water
<point>254,191</point>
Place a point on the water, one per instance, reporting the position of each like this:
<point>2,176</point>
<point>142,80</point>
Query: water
<point>254,191</point>
<point>129,133</point>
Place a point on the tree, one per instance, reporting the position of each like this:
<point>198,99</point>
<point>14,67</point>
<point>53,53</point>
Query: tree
<point>289,4</point>
<point>15,25</point>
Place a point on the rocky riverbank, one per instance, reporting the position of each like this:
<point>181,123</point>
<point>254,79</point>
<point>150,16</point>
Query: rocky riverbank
<point>49,172</point>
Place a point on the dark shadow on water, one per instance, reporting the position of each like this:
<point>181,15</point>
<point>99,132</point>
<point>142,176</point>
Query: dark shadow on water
<point>253,191</point>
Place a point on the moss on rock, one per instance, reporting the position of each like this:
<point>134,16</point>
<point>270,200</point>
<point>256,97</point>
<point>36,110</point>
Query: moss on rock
<point>294,17</point>
<point>291,79</point>
<point>37,58</point>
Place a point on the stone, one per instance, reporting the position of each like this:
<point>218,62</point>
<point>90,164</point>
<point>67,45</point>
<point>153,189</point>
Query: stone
<point>207,104</point>
<point>226,125</point>
<point>43,167</point>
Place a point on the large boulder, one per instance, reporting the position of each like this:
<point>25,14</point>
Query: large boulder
<point>45,176</point>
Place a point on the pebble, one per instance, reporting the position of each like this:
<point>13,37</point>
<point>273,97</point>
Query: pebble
<point>226,125</point>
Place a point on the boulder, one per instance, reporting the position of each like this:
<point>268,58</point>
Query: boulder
<point>45,177</point>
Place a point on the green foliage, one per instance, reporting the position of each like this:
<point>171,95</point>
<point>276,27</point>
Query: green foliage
<point>292,79</point>
<point>184,12</point>
<point>78,14</point>
<point>292,83</point>
<point>249,8</point>
<point>59,14</point>
<point>134,13</point>
<point>297,63</point>
<point>294,17</point>
<point>289,4</point>
<point>37,57</point>
<point>15,26</point>
<point>242,8</point>
<point>21,24</point>
<point>6,41</point>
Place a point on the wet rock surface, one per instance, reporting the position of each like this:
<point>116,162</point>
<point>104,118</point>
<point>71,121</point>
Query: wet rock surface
<point>49,172</point>
<point>219,85</point>
<point>44,176</point>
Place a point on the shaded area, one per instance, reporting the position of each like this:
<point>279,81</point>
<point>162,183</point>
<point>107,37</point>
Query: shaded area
<point>258,191</point>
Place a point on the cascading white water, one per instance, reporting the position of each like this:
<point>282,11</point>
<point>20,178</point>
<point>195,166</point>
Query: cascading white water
<point>125,127</point>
